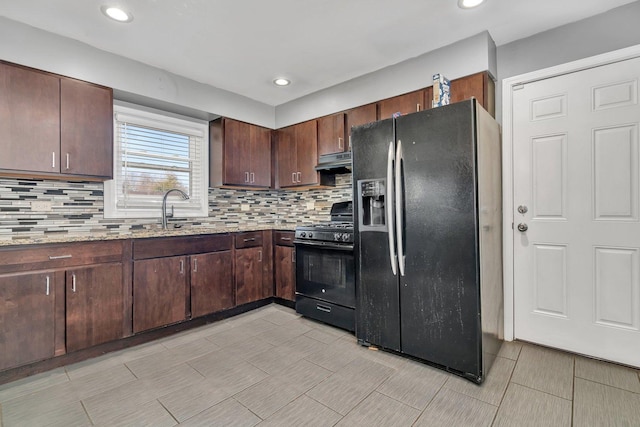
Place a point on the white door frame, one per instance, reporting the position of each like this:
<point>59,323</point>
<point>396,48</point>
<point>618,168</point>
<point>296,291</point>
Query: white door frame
<point>507,159</point>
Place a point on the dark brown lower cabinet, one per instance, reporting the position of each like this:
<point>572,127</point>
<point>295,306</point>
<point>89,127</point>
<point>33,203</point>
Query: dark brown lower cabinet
<point>27,317</point>
<point>94,297</point>
<point>285,272</point>
<point>159,292</point>
<point>248,275</point>
<point>211,283</point>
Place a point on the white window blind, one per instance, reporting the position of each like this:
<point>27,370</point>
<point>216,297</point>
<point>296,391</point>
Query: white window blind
<point>153,154</point>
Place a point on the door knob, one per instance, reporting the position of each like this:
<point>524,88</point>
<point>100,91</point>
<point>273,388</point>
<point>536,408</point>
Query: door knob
<point>523,227</point>
<point>522,209</point>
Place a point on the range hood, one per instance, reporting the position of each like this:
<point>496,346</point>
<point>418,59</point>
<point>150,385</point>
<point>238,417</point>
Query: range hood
<point>335,163</point>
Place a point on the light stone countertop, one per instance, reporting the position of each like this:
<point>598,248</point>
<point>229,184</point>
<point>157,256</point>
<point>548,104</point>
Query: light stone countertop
<point>189,230</point>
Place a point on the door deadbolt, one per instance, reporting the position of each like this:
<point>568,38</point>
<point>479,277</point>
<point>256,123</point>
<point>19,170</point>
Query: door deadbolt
<point>522,209</point>
<point>523,227</point>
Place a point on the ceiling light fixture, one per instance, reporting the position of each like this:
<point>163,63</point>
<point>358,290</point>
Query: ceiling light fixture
<point>281,82</point>
<point>468,4</point>
<point>116,14</point>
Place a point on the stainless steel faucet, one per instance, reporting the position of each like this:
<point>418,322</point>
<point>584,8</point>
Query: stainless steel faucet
<point>164,205</point>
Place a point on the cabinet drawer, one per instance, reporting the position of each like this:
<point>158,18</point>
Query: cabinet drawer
<point>158,247</point>
<point>283,238</point>
<point>248,239</point>
<point>60,255</point>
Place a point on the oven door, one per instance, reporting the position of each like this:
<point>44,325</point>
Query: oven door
<point>325,271</point>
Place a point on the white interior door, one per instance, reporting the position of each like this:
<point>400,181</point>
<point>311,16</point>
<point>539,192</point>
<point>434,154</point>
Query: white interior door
<point>576,162</point>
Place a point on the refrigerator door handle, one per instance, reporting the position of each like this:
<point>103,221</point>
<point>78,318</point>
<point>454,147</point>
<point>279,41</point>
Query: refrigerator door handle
<point>399,203</point>
<point>389,207</point>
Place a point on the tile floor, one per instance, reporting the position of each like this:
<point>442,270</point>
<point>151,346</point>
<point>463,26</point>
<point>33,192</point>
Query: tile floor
<point>273,368</point>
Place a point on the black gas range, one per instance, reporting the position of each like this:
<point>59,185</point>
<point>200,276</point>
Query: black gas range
<point>325,282</point>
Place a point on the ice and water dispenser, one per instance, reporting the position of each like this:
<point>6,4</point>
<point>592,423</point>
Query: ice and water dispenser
<point>371,209</point>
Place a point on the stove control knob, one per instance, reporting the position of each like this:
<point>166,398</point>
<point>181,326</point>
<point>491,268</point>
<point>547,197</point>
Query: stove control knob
<point>310,234</point>
<point>336,236</point>
<point>303,234</point>
<point>345,237</point>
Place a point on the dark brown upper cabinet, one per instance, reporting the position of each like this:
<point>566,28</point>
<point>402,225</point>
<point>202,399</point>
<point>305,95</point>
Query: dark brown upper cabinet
<point>360,116</point>
<point>247,154</point>
<point>54,126</point>
<point>403,104</point>
<point>331,134</point>
<point>297,155</point>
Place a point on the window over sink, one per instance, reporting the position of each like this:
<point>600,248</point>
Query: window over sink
<point>155,152</point>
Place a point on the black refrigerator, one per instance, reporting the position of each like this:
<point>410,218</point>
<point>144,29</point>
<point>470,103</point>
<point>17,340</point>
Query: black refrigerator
<point>428,243</point>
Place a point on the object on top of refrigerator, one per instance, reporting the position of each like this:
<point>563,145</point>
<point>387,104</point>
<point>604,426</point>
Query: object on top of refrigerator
<point>441,91</point>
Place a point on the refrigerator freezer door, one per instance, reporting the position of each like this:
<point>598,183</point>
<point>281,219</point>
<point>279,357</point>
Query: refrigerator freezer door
<point>439,293</point>
<point>377,299</point>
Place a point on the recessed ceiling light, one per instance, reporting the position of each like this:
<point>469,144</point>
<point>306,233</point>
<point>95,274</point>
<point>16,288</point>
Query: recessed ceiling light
<point>281,82</point>
<point>116,14</point>
<point>468,4</point>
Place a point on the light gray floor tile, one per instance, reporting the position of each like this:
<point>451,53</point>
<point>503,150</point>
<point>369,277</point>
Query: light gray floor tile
<point>230,336</point>
<point>92,384</point>
<point>68,415</point>
<point>159,362</point>
<point>414,384</point>
<point>366,372</point>
<point>237,377</point>
<point>305,374</point>
<point>229,413</point>
<point>269,395</point>
<point>523,406</point>
<point>281,317</point>
<point>193,399</point>
<point>600,405</point>
<point>214,362</point>
<point>194,334</point>
<point>322,335</point>
<point>303,345</point>
<point>32,384</point>
<point>149,414</point>
<point>608,373</point>
<point>546,370</point>
<point>279,334</point>
<point>380,410</point>
<point>277,360</point>
<point>510,350</point>
<point>493,387</point>
<point>452,409</point>
<point>303,411</point>
<point>247,349</point>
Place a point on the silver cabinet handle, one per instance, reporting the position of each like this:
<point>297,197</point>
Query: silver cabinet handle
<point>48,281</point>
<point>246,177</point>
<point>340,144</point>
<point>389,207</point>
<point>181,266</point>
<point>349,142</point>
<point>324,308</point>
<point>59,257</point>
<point>67,160</point>
<point>253,177</point>
<point>286,239</point>
<point>260,256</point>
<point>293,177</point>
<point>73,283</point>
<point>195,265</point>
<point>253,239</point>
<point>299,176</point>
<point>53,159</point>
<point>399,225</point>
<point>417,107</point>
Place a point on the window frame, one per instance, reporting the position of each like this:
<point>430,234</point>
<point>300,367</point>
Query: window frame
<point>142,116</point>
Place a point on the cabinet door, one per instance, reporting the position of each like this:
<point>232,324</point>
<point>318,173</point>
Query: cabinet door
<point>211,283</point>
<point>237,152</point>
<point>286,156</point>
<point>248,275</point>
<point>331,135</point>
<point>477,85</point>
<point>403,104</point>
<point>29,120</point>
<point>94,305</point>
<point>27,318</point>
<point>86,129</point>
<point>285,273</point>
<point>159,292</point>
<point>260,173</point>
<point>307,153</point>
<point>360,116</point>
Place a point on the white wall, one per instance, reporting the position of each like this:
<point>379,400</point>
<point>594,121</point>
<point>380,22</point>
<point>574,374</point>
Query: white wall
<point>468,56</point>
<point>131,80</point>
<point>612,30</point>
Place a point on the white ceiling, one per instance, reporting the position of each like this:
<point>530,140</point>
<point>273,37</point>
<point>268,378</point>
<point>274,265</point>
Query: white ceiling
<point>242,45</point>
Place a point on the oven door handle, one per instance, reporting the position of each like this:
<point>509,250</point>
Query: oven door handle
<point>389,206</point>
<point>325,245</point>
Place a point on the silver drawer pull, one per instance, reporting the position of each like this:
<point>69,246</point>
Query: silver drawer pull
<point>60,257</point>
<point>48,280</point>
<point>67,160</point>
<point>253,239</point>
<point>53,159</point>
<point>259,256</point>
<point>181,266</point>
<point>73,282</point>
<point>195,265</point>
<point>288,239</point>
<point>324,308</point>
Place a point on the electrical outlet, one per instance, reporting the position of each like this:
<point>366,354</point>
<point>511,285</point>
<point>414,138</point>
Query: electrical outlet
<point>41,206</point>
<point>311,205</point>
<point>244,207</point>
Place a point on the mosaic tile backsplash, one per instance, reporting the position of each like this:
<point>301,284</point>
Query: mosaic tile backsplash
<point>77,208</point>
